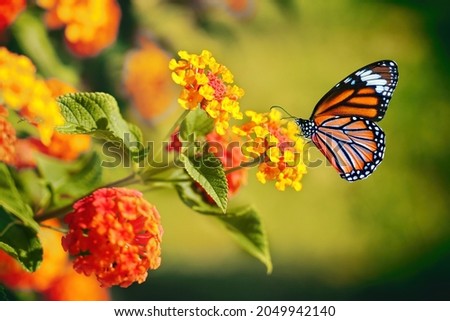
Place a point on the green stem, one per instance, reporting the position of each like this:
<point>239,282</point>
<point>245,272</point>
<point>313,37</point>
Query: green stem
<point>174,180</point>
<point>57,229</point>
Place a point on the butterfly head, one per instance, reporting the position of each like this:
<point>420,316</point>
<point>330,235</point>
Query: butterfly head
<point>307,127</point>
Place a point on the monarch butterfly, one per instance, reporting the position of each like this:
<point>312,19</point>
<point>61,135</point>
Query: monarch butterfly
<point>342,125</point>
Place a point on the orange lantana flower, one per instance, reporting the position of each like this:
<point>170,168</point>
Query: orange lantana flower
<point>115,234</point>
<point>90,25</point>
<point>147,81</point>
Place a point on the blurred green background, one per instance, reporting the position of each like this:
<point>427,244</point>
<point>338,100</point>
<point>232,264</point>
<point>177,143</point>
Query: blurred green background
<point>383,238</point>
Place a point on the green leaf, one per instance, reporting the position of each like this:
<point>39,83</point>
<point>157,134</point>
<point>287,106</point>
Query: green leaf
<point>141,152</point>
<point>243,223</point>
<point>196,200</point>
<point>98,114</point>
<point>209,173</point>
<point>70,181</point>
<point>246,228</point>
<point>197,123</point>
<point>20,241</point>
<point>11,200</point>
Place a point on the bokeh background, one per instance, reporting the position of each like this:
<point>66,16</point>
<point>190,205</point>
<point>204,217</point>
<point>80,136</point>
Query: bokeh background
<point>387,237</point>
<point>384,238</point>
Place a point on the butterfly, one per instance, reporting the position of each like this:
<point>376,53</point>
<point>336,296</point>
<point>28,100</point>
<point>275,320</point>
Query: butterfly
<point>343,123</point>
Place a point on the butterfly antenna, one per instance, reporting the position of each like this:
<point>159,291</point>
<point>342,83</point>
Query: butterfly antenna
<point>279,107</point>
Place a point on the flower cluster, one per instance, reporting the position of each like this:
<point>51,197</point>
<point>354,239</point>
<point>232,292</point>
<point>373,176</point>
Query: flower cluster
<point>147,81</point>
<point>208,85</point>
<point>90,25</point>
<point>277,146</point>
<point>9,10</point>
<point>114,234</point>
<point>34,99</point>
<point>23,91</point>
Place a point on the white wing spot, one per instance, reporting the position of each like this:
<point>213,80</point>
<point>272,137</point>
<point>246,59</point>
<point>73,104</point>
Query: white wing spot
<point>370,77</point>
<point>377,82</point>
<point>365,73</point>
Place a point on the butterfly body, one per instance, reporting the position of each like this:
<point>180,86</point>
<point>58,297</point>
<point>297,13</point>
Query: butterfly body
<point>343,123</point>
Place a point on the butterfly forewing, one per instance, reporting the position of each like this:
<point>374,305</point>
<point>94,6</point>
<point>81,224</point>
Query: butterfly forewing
<point>365,93</point>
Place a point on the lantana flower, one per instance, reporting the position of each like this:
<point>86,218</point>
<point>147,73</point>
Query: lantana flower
<point>90,25</point>
<point>20,152</point>
<point>115,234</point>
<point>207,84</point>
<point>275,144</point>
<point>22,91</point>
<point>147,81</point>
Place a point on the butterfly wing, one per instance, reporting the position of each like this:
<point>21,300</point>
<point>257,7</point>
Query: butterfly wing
<point>365,93</point>
<point>353,145</point>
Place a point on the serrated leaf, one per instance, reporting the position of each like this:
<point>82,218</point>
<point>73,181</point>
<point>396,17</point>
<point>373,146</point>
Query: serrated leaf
<point>243,223</point>
<point>196,123</point>
<point>11,200</point>
<point>20,242</point>
<point>98,114</point>
<point>209,173</point>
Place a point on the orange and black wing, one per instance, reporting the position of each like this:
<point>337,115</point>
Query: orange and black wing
<point>365,93</point>
<point>353,145</point>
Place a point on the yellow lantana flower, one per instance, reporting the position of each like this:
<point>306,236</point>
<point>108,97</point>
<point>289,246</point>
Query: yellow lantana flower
<point>23,91</point>
<point>207,84</point>
<point>277,144</point>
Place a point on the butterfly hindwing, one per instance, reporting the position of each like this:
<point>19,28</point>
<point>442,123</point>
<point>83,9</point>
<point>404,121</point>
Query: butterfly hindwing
<point>353,145</point>
<point>365,93</point>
